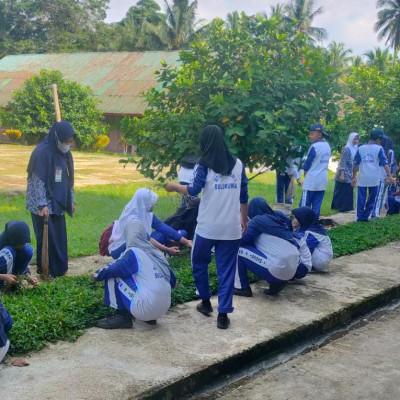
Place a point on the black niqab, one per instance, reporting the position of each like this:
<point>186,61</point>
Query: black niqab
<point>215,153</point>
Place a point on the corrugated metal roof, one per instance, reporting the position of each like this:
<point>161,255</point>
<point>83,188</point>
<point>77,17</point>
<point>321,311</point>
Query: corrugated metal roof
<point>117,79</point>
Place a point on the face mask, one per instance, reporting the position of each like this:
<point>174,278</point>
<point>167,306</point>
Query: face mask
<point>64,148</point>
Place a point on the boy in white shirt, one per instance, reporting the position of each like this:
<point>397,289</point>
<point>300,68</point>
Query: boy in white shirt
<point>368,160</point>
<point>316,169</point>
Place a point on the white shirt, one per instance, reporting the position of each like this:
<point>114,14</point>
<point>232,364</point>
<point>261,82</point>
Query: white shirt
<point>219,211</point>
<point>369,157</point>
<point>317,172</point>
<point>282,256</point>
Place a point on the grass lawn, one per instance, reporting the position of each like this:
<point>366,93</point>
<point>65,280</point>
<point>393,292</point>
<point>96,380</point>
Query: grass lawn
<point>103,187</point>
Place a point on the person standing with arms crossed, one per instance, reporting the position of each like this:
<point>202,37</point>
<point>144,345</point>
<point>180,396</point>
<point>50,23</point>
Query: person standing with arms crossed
<point>316,169</point>
<point>221,220</point>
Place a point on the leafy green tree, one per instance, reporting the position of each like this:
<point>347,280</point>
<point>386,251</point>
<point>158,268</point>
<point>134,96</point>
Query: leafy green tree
<point>374,100</point>
<point>42,26</point>
<point>264,87</point>
<point>388,24</point>
<point>32,109</point>
<point>302,13</point>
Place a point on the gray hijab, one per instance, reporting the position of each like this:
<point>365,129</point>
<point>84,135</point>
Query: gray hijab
<point>136,237</point>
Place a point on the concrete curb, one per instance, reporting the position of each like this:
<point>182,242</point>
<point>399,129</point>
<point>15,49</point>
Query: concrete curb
<point>194,382</point>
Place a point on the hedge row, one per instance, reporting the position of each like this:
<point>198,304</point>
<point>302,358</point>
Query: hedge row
<point>61,309</point>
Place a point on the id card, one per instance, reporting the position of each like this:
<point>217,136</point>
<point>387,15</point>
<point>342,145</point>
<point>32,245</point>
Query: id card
<point>58,175</point>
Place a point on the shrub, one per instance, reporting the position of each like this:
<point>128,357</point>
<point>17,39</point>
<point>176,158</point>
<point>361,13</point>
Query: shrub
<point>101,142</point>
<point>12,134</point>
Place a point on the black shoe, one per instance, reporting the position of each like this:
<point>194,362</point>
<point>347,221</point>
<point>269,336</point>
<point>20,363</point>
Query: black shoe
<point>223,321</point>
<point>205,307</point>
<point>274,288</point>
<point>243,292</point>
<point>151,322</point>
<point>116,321</point>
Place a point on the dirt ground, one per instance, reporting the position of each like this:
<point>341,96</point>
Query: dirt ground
<point>90,168</point>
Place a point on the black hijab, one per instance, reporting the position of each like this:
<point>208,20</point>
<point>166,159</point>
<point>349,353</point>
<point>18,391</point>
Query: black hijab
<point>15,233</point>
<point>308,220</point>
<point>46,158</point>
<point>215,153</point>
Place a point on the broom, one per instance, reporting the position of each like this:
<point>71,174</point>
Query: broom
<point>45,245</point>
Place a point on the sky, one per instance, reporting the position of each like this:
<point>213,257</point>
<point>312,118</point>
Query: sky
<point>348,21</point>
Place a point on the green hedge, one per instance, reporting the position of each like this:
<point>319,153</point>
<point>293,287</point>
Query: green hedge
<point>61,309</point>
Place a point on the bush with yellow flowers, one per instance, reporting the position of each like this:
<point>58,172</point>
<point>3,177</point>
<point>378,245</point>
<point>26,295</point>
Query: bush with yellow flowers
<point>101,141</point>
<point>12,134</point>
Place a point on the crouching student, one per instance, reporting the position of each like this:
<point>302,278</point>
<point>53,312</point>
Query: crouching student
<point>138,284</point>
<point>15,253</point>
<point>141,207</point>
<point>267,249</point>
<point>5,326</point>
<point>305,257</point>
<point>305,222</point>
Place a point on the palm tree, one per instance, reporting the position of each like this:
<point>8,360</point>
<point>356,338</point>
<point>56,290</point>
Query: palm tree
<point>302,12</point>
<point>278,10</point>
<point>180,25</point>
<point>339,57</point>
<point>378,58</point>
<point>232,20</point>
<point>388,23</point>
<point>356,61</point>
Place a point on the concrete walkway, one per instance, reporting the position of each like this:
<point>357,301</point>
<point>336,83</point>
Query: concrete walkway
<point>185,349</point>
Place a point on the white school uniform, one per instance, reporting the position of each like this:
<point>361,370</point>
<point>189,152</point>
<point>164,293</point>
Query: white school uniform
<point>323,253</point>
<point>317,175</point>
<point>370,172</point>
<point>219,210</point>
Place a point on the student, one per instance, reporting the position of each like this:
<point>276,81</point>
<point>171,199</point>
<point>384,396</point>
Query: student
<point>305,257</point>
<point>15,253</point>
<point>368,159</point>
<point>5,326</point>
<point>50,193</point>
<point>316,169</point>
<point>185,176</point>
<point>381,195</point>
<point>394,198</point>
<point>343,195</point>
<point>141,207</point>
<point>305,222</point>
<point>138,284</point>
<point>223,209</point>
<point>184,219</point>
<point>284,180</point>
<point>267,249</point>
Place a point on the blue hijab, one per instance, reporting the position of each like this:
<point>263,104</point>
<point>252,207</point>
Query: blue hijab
<point>264,219</point>
<point>308,220</point>
<point>15,233</point>
<point>44,161</point>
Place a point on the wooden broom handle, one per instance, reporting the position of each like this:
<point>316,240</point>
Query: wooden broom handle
<point>56,102</point>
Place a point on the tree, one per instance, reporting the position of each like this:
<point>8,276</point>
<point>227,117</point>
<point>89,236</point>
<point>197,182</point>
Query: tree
<point>302,12</point>
<point>263,86</point>
<point>40,26</point>
<point>180,25</point>
<point>388,24</point>
<point>32,110</point>
<point>374,100</point>
<point>339,57</point>
<point>379,58</point>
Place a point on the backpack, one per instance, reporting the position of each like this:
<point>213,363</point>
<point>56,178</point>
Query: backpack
<point>104,240</point>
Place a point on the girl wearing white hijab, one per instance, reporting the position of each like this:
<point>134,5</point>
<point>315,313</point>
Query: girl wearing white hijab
<point>141,207</point>
<point>138,284</point>
<point>343,193</point>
